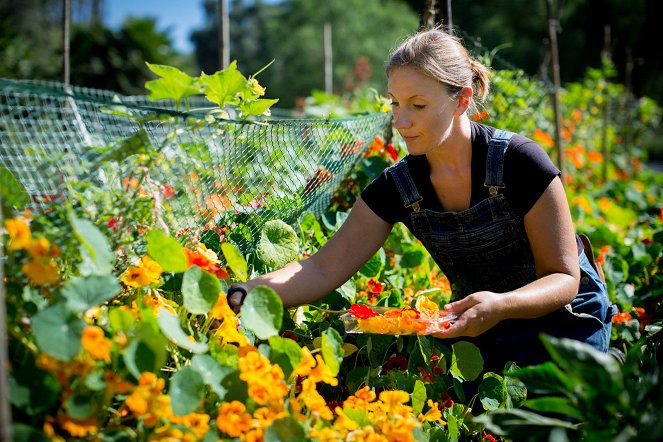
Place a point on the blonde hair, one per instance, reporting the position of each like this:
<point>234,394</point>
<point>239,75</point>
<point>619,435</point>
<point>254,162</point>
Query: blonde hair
<point>443,57</point>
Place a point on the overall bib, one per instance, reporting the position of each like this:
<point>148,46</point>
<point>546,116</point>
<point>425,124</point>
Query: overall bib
<point>486,248</point>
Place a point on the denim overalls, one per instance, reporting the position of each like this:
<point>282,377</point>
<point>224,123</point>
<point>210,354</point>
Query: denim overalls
<point>486,248</point>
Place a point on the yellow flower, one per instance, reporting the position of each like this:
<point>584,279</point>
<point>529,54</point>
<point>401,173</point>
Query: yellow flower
<point>265,382</point>
<point>42,249</point>
<point>96,343</point>
<point>433,414</point>
<point>39,273</point>
<point>233,419</point>
<point>19,233</point>
<point>78,427</point>
<point>145,273</point>
<point>314,401</point>
<point>229,331</point>
<point>256,87</point>
<point>360,400</point>
<point>221,309</point>
<point>394,400</point>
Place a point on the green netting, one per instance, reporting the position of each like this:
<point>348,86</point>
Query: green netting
<point>199,172</point>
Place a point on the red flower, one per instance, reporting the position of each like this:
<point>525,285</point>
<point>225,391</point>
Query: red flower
<point>375,286</point>
<point>446,401</point>
<point>290,335</point>
<point>362,311</point>
<point>489,437</point>
<point>395,363</point>
<point>426,376</point>
<point>392,152</point>
<point>167,191</point>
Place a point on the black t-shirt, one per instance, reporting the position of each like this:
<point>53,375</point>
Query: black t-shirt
<point>528,170</point>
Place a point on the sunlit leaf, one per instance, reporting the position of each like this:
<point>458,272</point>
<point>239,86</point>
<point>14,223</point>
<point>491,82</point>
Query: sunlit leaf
<point>278,245</point>
<point>262,312</point>
<point>466,361</point>
<point>173,84</point>
<point>187,390</point>
<point>83,293</point>
<point>332,350</point>
<point>96,254</point>
<point>170,327</point>
<point>200,290</point>
<point>166,251</point>
<point>235,260</point>
<point>58,332</point>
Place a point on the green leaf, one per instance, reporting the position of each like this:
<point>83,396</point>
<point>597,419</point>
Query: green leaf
<point>518,424</point>
<point>222,87</point>
<point>332,350</point>
<point>187,389</point>
<point>515,389</point>
<point>166,251</point>
<point>374,266</point>
<point>418,397</point>
<point>544,378</point>
<point>212,372</point>
<point>170,327</point>
<point>235,260</point>
<point>491,391</point>
<point>285,353</point>
<point>80,406</point>
<point>121,319</point>
<point>96,254</point>
<point>25,433</point>
<point>262,312</point>
<point>174,84</point>
<point>466,361</point>
<point>555,404</point>
<point>200,290</point>
<point>14,195</point>
<point>286,429</point>
<point>146,352</point>
<point>425,348</point>
<point>58,332</point>
<point>256,107</point>
<point>83,293</point>
<point>278,244</point>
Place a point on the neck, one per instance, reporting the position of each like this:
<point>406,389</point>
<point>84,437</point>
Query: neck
<point>456,150</point>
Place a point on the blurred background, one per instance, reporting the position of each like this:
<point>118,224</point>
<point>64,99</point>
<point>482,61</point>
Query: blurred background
<point>333,45</point>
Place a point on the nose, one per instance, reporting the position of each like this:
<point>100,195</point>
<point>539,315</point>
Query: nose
<point>401,120</point>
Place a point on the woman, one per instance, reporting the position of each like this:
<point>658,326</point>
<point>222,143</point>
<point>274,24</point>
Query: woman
<point>488,205</point>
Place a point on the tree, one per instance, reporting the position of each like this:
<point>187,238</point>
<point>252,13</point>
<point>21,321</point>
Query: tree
<point>291,33</point>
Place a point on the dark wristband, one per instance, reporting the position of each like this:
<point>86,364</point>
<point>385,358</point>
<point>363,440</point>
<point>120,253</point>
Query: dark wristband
<point>238,287</point>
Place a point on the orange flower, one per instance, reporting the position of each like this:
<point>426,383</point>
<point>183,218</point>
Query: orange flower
<point>621,318</point>
<point>233,419</point>
<point>39,273</point>
<point>543,138</point>
<point>217,203</point>
<point>19,233</point>
<point>145,273</point>
<point>595,157</point>
<point>207,260</point>
<point>78,427</point>
<point>96,343</point>
<point>41,248</point>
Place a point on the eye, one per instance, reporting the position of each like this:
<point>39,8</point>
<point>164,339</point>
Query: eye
<point>419,106</point>
<point>394,104</point>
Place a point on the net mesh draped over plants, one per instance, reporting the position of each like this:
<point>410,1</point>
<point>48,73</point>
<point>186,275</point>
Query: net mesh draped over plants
<point>200,172</point>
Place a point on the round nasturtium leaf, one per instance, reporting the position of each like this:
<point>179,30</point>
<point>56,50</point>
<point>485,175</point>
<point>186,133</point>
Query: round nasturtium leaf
<point>235,260</point>
<point>278,245</point>
<point>200,290</point>
<point>466,361</point>
<point>83,293</point>
<point>58,332</point>
<point>187,390</point>
<point>262,312</point>
<point>166,251</point>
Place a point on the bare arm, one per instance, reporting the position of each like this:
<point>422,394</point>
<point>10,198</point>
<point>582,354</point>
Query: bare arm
<point>301,282</point>
<point>551,234</point>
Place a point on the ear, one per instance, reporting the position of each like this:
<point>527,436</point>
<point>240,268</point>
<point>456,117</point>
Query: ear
<point>464,101</point>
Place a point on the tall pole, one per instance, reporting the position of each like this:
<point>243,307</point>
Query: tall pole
<point>428,17</point>
<point>66,22</point>
<point>223,34</point>
<point>553,29</point>
<point>5,407</point>
<point>328,55</point>
<point>445,15</point>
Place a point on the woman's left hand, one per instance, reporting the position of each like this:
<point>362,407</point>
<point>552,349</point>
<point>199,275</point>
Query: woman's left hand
<point>480,312</point>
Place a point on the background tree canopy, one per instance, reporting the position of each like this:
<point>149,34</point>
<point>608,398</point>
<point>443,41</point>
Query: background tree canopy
<point>290,32</point>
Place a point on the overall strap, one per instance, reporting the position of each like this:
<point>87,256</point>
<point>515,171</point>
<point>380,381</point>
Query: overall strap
<point>495,161</point>
<point>405,184</point>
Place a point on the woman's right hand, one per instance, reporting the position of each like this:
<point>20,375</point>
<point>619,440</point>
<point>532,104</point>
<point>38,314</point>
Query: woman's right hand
<point>236,294</point>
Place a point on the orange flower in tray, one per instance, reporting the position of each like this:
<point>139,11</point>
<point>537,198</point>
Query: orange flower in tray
<point>425,319</point>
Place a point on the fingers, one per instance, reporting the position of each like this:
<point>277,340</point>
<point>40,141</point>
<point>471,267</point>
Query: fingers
<point>236,294</point>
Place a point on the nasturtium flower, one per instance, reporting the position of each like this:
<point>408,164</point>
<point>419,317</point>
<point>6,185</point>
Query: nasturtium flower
<point>78,427</point>
<point>42,249</point>
<point>433,414</point>
<point>233,419</point>
<point>19,233</point>
<point>145,273</point>
<point>207,260</point>
<point>40,273</point>
<point>96,344</point>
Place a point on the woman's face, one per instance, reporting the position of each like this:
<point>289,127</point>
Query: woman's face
<point>423,110</point>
